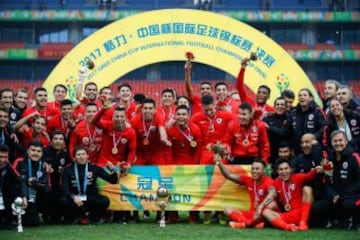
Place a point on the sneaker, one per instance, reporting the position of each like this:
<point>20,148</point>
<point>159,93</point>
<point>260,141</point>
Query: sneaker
<point>207,219</point>
<point>303,226</point>
<point>233,224</point>
<point>84,221</point>
<point>292,228</point>
<point>259,225</point>
<point>146,215</point>
<point>222,220</point>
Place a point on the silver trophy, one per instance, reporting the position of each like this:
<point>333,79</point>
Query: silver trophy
<point>18,210</point>
<point>162,201</point>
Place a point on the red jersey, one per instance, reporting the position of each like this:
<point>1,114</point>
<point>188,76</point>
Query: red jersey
<point>258,191</point>
<point>28,135</point>
<point>196,104</point>
<point>229,104</point>
<point>123,142</point>
<point>87,135</point>
<point>291,191</point>
<point>212,130</point>
<point>53,108</point>
<point>250,141</point>
<point>167,114</point>
<point>130,111</point>
<point>186,144</point>
<point>79,110</point>
<point>146,153</point>
<point>57,123</point>
<point>260,111</point>
<point>43,112</point>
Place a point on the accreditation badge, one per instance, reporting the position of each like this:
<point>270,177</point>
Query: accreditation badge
<point>83,197</point>
<point>2,205</point>
<point>32,195</point>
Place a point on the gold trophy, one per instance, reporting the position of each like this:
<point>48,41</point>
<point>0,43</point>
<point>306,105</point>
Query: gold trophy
<point>162,201</point>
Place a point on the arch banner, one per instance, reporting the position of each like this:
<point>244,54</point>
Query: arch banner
<point>166,35</point>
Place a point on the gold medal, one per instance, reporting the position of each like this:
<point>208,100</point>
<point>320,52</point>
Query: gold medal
<point>146,141</point>
<point>246,142</point>
<point>92,147</point>
<point>256,204</point>
<point>114,150</point>
<point>193,143</point>
<point>287,207</point>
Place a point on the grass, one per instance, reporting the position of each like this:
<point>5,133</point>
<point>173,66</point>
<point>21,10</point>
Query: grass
<point>181,231</point>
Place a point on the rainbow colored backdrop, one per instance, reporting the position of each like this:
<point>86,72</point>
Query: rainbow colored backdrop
<point>192,187</point>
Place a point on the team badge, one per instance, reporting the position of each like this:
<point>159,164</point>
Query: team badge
<point>261,192</point>
<point>123,140</point>
<point>152,128</point>
<point>90,174</point>
<point>254,129</point>
<point>13,115</point>
<point>353,122</point>
<point>219,120</point>
<point>311,116</point>
<point>39,174</point>
<point>62,161</point>
<point>98,130</point>
<point>85,140</point>
<point>292,186</point>
<point>345,165</point>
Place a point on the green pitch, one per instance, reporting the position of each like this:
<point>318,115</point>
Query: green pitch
<point>181,231</point>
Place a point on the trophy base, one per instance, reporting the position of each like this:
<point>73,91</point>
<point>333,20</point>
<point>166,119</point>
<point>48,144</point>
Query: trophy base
<point>162,223</point>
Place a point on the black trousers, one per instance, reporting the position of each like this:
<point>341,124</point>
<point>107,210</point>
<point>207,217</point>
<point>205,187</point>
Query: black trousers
<point>41,205</point>
<point>95,205</point>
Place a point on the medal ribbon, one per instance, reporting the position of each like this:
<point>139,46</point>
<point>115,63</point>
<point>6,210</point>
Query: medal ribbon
<point>287,193</point>
<point>92,138</point>
<point>187,136</point>
<point>78,180</point>
<point>147,131</point>
<point>255,193</point>
<point>116,142</point>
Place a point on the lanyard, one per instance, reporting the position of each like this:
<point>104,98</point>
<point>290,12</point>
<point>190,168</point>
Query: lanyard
<point>78,180</point>
<point>30,169</point>
<point>287,193</point>
<point>147,131</point>
<point>256,193</point>
<point>2,136</point>
<point>187,136</point>
<point>116,141</point>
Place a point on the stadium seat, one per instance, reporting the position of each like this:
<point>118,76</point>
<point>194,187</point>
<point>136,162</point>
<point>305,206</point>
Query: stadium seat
<point>11,45</point>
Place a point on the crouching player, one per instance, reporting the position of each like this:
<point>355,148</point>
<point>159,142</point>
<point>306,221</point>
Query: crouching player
<point>289,189</point>
<point>258,185</point>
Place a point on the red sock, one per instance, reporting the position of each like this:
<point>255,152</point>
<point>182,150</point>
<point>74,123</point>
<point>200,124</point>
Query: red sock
<point>279,223</point>
<point>305,211</point>
<point>237,217</point>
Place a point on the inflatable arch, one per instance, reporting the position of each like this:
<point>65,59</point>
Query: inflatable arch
<point>165,35</point>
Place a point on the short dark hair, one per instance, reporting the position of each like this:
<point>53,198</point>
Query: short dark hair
<point>260,160</point>
<point>149,100</point>
<point>2,109</point>
<point>91,104</point>
<point>207,100</point>
<point>279,98</point>
<point>36,143</point>
<point>182,107</point>
<point>60,85</point>
<point>65,102</point>
<point>280,161</point>
<point>39,89</point>
<point>4,148</point>
<point>206,83</point>
<point>284,144</point>
<point>103,88</point>
<point>57,132</point>
<point>124,85</point>
<point>5,90</point>
<point>265,87</point>
<point>182,96</point>
<point>221,83</point>
<point>91,83</point>
<point>245,106</point>
<point>120,108</point>
<point>168,90</point>
<point>139,97</point>
<point>78,148</point>
<point>288,93</point>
